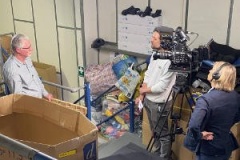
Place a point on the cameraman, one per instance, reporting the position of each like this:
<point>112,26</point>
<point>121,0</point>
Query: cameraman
<point>156,87</point>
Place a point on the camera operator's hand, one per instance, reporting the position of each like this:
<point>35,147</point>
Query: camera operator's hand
<point>144,89</point>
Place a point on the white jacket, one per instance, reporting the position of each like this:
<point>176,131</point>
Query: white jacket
<point>159,79</point>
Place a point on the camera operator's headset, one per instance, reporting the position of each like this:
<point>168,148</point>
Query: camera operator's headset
<point>216,75</point>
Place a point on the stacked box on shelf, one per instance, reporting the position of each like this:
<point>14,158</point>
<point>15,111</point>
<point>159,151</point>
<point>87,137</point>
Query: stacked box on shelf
<point>48,73</point>
<point>5,42</point>
<point>134,32</point>
<point>5,47</point>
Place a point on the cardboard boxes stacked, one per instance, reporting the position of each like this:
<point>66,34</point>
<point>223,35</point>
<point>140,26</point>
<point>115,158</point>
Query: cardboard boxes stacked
<point>135,32</point>
<point>146,129</point>
<point>56,128</point>
<point>48,73</point>
<point>5,42</point>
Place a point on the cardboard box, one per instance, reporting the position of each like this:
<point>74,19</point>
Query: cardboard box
<point>185,113</point>
<point>181,99</point>
<point>179,151</point>
<point>48,73</point>
<point>236,131</point>
<point>5,49</point>
<point>69,105</point>
<point>5,42</point>
<point>55,129</point>
<point>187,104</point>
<point>146,129</point>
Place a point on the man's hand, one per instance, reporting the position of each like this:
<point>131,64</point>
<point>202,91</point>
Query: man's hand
<point>49,97</point>
<point>144,89</point>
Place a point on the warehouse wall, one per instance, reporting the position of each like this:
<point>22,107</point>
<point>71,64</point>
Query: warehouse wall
<point>210,19</point>
<point>235,25</point>
<point>62,30</point>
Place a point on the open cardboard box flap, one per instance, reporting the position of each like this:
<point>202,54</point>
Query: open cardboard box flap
<point>55,128</point>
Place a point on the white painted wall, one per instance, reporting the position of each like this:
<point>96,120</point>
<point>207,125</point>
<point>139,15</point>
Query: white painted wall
<point>46,32</point>
<point>209,21</point>
<point>90,30</point>
<point>173,13</point>
<point>6,17</point>
<point>234,36</point>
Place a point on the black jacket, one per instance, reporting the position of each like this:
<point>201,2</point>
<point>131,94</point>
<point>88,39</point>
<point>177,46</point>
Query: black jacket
<point>216,111</point>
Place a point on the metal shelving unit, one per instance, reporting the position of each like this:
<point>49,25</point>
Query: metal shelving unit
<point>21,149</point>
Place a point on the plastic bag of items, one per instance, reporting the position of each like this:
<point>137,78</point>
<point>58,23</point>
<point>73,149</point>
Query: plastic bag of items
<point>101,77</point>
<point>128,82</point>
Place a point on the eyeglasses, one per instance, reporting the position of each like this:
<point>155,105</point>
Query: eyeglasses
<point>27,47</point>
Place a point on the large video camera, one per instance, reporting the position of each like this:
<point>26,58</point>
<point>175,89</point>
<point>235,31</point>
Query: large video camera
<point>175,41</point>
<point>175,49</point>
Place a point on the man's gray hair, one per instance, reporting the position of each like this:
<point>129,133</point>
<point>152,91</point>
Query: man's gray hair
<point>16,41</point>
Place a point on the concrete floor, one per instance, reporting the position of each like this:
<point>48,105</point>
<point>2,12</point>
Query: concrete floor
<point>107,148</point>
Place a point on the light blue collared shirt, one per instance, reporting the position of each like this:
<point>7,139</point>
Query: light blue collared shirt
<point>22,78</point>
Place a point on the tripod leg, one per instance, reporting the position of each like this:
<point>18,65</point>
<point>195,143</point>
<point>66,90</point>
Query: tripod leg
<point>172,135</point>
<point>188,99</point>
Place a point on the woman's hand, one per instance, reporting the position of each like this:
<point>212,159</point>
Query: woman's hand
<point>207,135</point>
